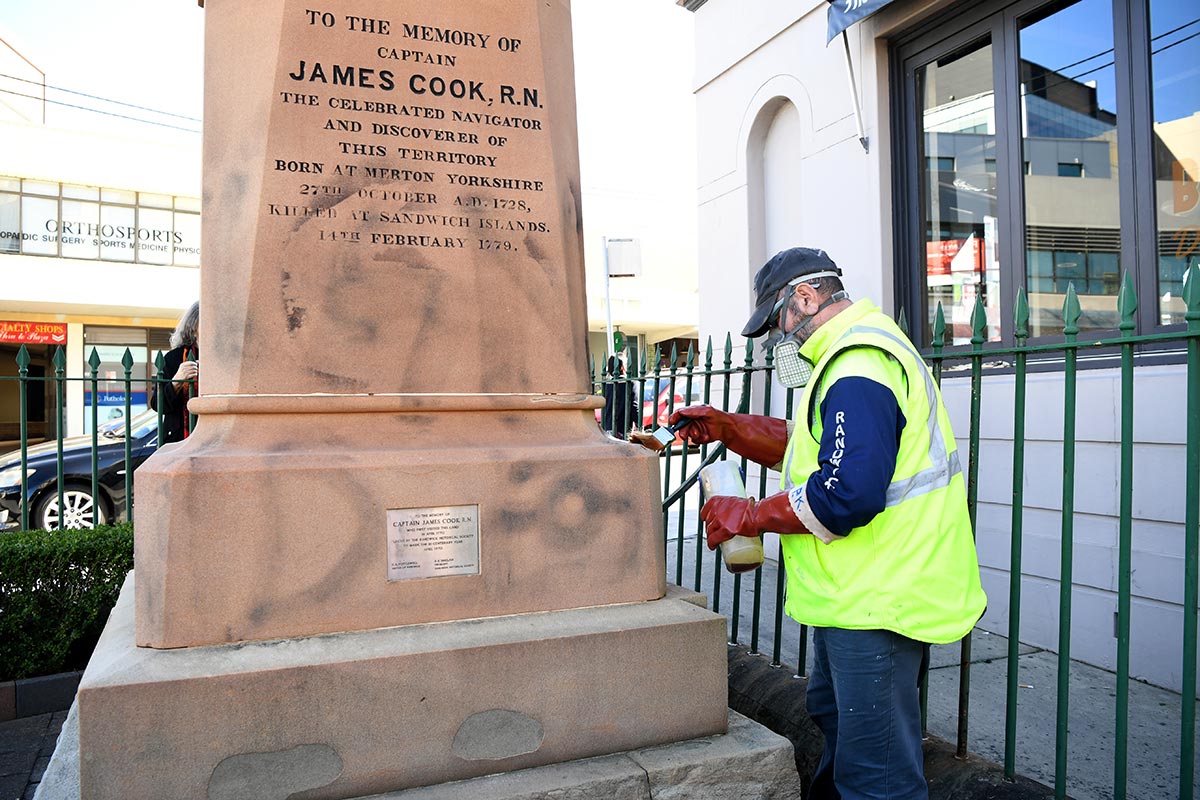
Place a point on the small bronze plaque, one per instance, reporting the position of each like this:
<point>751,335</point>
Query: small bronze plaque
<point>432,542</point>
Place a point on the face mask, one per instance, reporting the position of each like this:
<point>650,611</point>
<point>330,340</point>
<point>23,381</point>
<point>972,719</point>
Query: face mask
<point>791,368</point>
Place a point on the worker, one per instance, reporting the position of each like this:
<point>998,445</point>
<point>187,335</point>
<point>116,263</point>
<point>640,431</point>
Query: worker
<point>874,529</point>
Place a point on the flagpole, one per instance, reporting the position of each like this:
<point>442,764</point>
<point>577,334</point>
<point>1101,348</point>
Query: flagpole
<point>858,119</point>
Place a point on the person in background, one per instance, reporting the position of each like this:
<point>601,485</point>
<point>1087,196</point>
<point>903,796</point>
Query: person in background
<point>875,533</point>
<point>621,411</point>
<point>182,363</point>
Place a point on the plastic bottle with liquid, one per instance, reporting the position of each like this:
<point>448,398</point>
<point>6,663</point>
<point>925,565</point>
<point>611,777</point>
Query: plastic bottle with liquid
<point>741,553</point>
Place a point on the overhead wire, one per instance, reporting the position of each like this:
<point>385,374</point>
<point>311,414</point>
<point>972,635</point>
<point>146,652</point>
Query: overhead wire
<point>98,97</point>
<point>98,111</point>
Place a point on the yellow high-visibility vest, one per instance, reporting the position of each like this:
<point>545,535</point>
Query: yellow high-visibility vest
<point>912,569</point>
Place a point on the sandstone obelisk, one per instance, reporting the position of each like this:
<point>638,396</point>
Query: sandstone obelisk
<point>396,550</point>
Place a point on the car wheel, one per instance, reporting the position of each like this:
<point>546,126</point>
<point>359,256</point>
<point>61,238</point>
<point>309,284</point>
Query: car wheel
<point>81,510</point>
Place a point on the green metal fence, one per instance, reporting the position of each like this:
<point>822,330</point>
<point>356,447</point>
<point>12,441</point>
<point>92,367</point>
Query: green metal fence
<point>749,382</point>
<point>89,482</point>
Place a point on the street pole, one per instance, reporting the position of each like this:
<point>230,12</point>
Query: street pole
<point>607,301</point>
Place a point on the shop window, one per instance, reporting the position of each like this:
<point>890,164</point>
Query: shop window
<point>109,397</point>
<point>10,222</point>
<point>187,239</point>
<point>118,196</point>
<point>957,109</point>
<point>1174,54</point>
<point>154,235</point>
<point>39,217</point>
<point>38,395</point>
<point>73,192</point>
<point>147,200</point>
<point>77,230</point>
<point>1053,115</point>
<point>40,187</point>
<point>118,233</point>
<point>88,222</point>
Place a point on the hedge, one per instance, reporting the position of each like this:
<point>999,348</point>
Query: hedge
<point>56,591</point>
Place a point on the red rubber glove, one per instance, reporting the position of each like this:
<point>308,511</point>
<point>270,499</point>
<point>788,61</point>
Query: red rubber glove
<point>726,517</point>
<point>758,438</point>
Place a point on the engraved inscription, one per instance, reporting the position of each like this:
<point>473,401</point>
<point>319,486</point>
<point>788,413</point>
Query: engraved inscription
<point>419,107</point>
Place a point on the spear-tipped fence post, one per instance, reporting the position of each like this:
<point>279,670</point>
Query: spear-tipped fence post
<point>94,369</point>
<point>1191,559</point>
<point>160,365</point>
<point>23,383</point>
<point>1071,312</point>
<point>127,363</point>
<point>1021,327</point>
<point>939,341</point>
<point>979,327</point>
<point>60,365</point>
<point>672,378</point>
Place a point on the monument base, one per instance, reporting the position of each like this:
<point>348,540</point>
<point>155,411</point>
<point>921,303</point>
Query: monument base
<point>352,714</point>
<point>747,763</point>
<point>279,517</point>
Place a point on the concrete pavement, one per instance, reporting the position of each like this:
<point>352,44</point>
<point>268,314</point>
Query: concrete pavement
<point>1154,713</point>
<point>25,748</point>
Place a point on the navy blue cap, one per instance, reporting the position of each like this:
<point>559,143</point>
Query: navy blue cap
<point>784,267</point>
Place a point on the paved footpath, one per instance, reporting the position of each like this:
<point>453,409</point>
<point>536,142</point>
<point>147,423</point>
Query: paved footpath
<point>1154,713</point>
<point>25,748</point>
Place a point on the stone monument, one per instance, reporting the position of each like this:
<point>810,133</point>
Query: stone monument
<point>396,550</point>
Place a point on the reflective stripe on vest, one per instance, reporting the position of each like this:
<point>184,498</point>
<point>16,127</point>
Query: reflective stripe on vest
<point>944,466</point>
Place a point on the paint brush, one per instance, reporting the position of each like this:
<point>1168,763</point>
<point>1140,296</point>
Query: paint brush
<point>661,438</point>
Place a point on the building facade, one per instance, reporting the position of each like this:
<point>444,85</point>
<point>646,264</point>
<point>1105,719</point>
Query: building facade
<point>99,251</point>
<point>1006,147</point>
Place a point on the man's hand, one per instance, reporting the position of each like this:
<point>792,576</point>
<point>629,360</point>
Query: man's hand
<point>758,438</point>
<point>707,424</point>
<point>726,517</point>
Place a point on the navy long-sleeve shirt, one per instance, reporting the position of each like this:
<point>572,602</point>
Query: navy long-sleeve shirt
<point>861,425</point>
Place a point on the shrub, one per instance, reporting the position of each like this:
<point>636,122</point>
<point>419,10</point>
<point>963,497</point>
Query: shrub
<point>56,591</point>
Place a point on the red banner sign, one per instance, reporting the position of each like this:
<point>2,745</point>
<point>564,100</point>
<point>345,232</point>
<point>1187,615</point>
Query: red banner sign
<point>33,332</point>
<point>953,255</point>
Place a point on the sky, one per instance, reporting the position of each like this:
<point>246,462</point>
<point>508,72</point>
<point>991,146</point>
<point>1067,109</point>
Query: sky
<point>633,63</point>
<point>147,53</point>
<point>1078,41</point>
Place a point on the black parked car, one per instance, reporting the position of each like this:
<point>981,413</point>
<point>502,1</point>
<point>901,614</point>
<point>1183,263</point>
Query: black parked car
<point>81,509</point>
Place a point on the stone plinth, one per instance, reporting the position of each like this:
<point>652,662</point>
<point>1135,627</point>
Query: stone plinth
<point>353,714</point>
<point>748,762</point>
<point>264,525</point>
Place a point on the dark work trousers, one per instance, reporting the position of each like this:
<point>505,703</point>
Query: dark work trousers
<point>863,696</point>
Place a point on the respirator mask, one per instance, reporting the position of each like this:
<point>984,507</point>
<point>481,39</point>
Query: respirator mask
<point>792,369</point>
